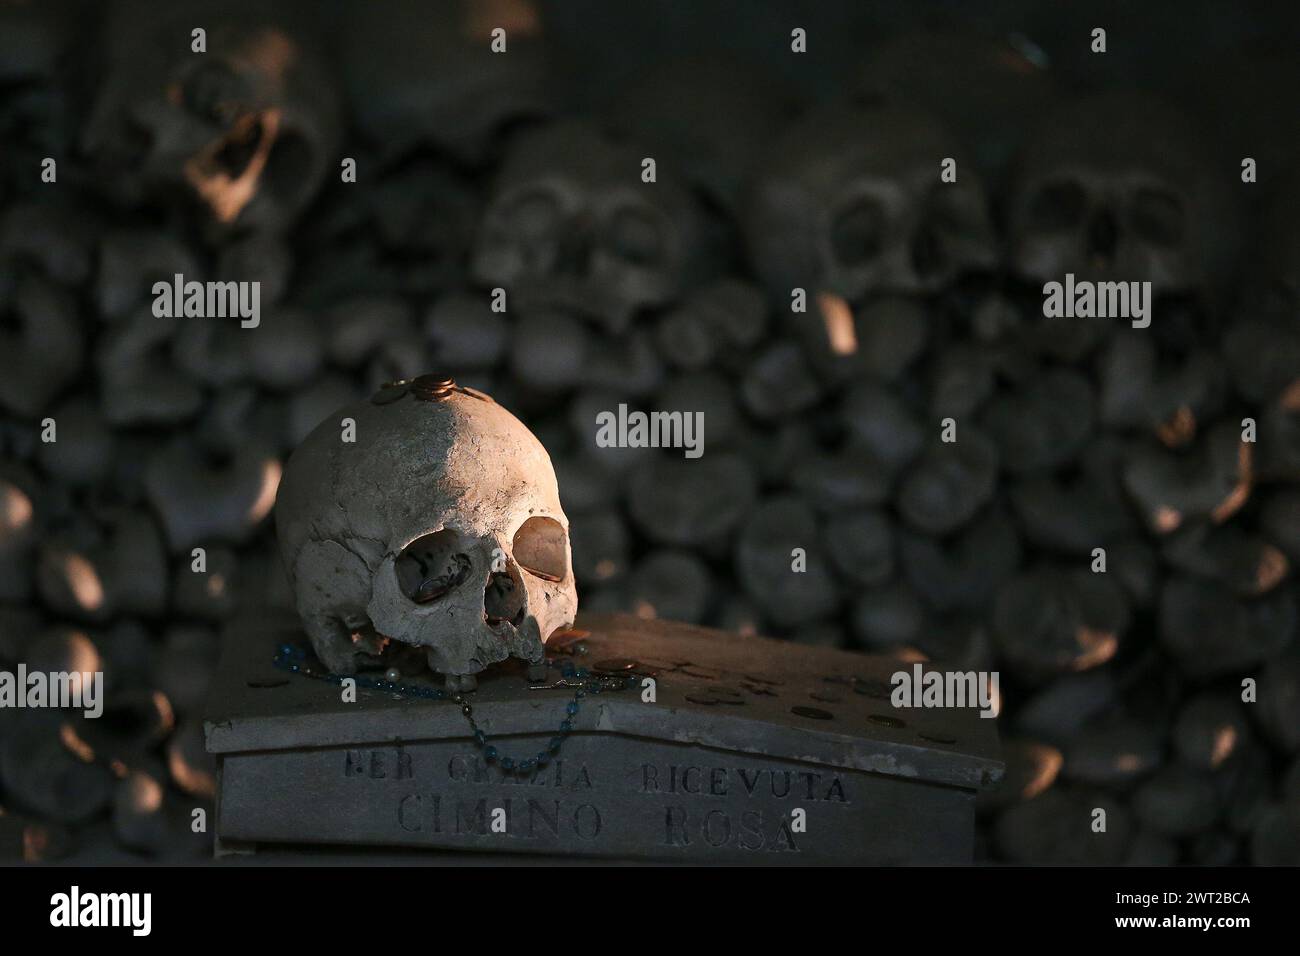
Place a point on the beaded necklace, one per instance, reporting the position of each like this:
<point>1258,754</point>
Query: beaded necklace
<point>294,659</point>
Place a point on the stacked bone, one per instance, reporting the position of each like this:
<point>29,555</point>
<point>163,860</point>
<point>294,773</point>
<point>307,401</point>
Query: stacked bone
<point>1121,690</point>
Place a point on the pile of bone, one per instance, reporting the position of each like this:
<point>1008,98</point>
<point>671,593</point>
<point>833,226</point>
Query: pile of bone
<point>1120,691</point>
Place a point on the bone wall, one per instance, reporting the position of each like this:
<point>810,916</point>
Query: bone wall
<point>823,428</point>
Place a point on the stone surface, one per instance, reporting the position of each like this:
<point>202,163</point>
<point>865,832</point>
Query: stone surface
<point>744,731</point>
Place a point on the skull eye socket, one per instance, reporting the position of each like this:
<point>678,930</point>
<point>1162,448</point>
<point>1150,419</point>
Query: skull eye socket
<point>541,548</point>
<point>215,93</point>
<point>857,232</point>
<point>432,566</point>
<point>634,235</point>
<point>953,212</point>
<point>240,145</point>
<point>1058,206</point>
<point>534,215</point>
<point>1158,216</point>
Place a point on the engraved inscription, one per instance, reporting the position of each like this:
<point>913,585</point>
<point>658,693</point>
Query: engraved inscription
<point>456,796</point>
<point>394,764</point>
<point>720,781</point>
<point>753,830</point>
<point>471,768</point>
<point>529,819</point>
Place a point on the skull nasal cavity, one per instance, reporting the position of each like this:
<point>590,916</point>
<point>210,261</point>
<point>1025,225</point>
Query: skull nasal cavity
<point>1103,234</point>
<point>432,566</point>
<point>504,599</point>
<point>857,233</point>
<point>541,548</point>
<point>927,252</point>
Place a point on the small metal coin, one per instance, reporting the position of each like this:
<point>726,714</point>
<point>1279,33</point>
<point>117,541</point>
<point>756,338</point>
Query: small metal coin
<point>876,689</point>
<point>389,392</point>
<point>614,665</point>
<point>938,740</point>
<point>725,695</point>
<point>567,640</point>
<point>432,388</point>
<point>886,721</point>
<point>815,713</point>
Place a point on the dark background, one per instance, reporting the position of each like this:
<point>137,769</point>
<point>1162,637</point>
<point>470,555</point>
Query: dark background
<point>1120,691</point>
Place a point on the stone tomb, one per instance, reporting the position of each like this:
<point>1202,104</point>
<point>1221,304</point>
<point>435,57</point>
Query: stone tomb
<point>753,751</point>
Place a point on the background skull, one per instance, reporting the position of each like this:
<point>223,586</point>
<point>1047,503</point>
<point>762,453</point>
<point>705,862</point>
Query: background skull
<point>1120,187</point>
<point>571,226</point>
<point>243,131</point>
<point>423,75</point>
<point>172,434</point>
<point>439,527</point>
<point>850,202</point>
<point>986,87</point>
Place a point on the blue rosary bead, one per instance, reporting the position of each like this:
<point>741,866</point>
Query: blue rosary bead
<point>288,657</point>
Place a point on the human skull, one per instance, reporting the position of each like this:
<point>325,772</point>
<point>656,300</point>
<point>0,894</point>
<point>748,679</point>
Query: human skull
<point>424,75</point>
<point>440,526</point>
<point>571,226</point>
<point>850,202</point>
<point>243,132</point>
<point>987,88</point>
<point>706,116</point>
<point>1119,188</point>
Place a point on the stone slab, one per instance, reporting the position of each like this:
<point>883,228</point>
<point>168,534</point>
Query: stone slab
<point>743,733</point>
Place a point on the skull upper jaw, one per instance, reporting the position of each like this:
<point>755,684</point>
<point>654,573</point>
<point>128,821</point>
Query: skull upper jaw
<point>497,609</point>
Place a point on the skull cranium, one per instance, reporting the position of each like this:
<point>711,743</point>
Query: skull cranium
<point>571,226</point>
<point>1120,188</point>
<point>440,527</point>
<point>851,203</point>
<point>242,133</point>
